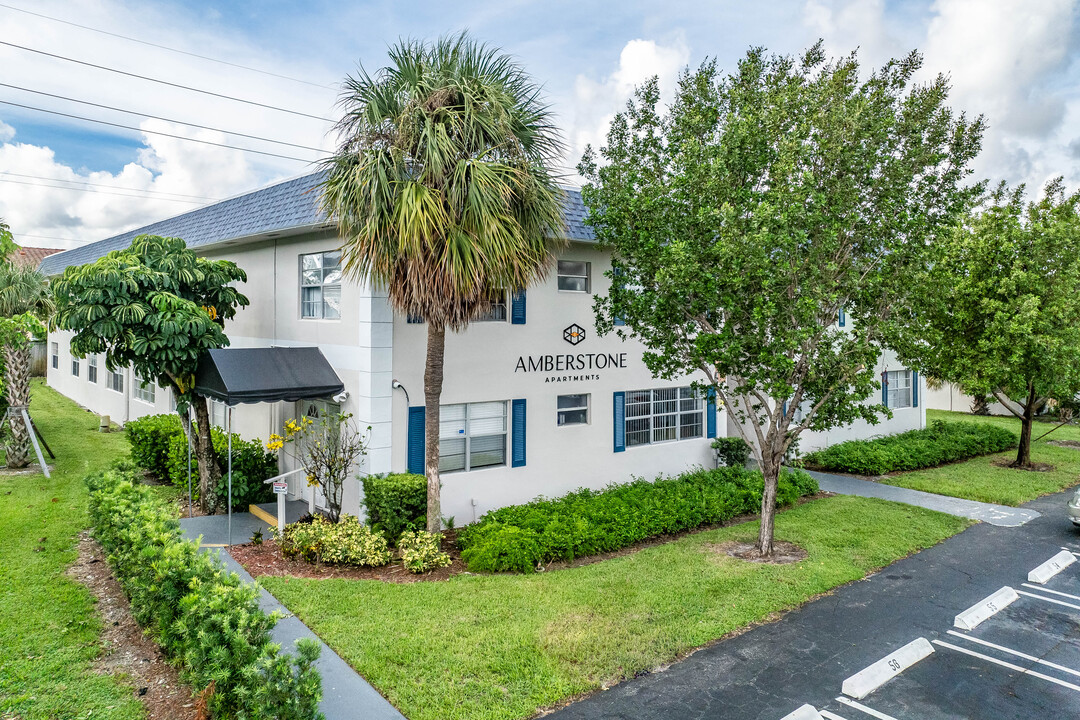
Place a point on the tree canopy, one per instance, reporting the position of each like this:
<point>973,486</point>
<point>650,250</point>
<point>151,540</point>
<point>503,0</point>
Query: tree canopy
<point>744,218</point>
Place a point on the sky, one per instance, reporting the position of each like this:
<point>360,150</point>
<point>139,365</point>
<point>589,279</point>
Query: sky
<point>65,181</point>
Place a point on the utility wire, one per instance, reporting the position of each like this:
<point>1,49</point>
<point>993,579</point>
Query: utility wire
<point>158,117</point>
<point>170,49</point>
<point>103,192</point>
<point>43,237</point>
<point>110,187</point>
<point>164,82</point>
<point>151,132</point>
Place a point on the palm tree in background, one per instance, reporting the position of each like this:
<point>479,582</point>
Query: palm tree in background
<point>443,190</point>
<point>25,302</point>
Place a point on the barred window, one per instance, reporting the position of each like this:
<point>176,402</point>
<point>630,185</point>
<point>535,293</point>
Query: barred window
<point>472,436</point>
<point>497,310</point>
<point>320,285</point>
<point>663,415</point>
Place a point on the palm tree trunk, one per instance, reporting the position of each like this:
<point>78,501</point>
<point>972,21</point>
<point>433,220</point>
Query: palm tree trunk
<point>209,473</point>
<point>18,392</point>
<point>433,382</point>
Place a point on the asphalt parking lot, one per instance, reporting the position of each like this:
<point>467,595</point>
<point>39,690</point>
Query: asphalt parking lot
<point>1020,660</point>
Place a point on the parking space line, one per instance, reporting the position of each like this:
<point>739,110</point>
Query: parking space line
<point>1002,663</point>
<point>830,716</point>
<point>1017,653</point>
<point>1048,590</point>
<point>1071,550</point>
<point>862,708</point>
<point>1049,600</point>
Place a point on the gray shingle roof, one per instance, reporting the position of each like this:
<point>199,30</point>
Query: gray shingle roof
<point>284,206</point>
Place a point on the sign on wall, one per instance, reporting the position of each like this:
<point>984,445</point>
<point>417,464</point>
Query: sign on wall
<point>578,366</point>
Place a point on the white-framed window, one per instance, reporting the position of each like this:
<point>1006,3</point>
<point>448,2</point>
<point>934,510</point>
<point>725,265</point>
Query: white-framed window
<point>472,436</point>
<point>663,415</point>
<point>144,390</point>
<point>54,351</point>
<point>115,381</point>
<point>497,310</point>
<point>899,390</point>
<point>320,285</point>
<point>316,409</point>
<point>217,413</point>
<point>75,366</point>
<point>572,409</point>
<point>91,368</point>
<point>574,276</point>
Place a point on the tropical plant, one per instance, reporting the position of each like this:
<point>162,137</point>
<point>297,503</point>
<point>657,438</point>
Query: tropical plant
<point>7,241</point>
<point>157,307</point>
<point>443,190</point>
<point>747,217</point>
<point>24,303</point>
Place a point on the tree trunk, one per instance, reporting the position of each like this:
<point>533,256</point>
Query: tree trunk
<point>770,470</point>
<point>1023,453</point>
<point>433,382</point>
<point>209,473</point>
<point>18,392</point>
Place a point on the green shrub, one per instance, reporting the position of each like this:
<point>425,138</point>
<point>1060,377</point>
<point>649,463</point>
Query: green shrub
<point>252,465</point>
<point>150,437</point>
<point>587,522</point>
<point>396,503</point>
<point>422,551</point>
<point>942,442</point>
<point>347,542</point>
<point>206,620</point>
<point>732,451</point>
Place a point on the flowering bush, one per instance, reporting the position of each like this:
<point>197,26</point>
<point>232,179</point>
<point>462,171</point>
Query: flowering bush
<point>347,542</point>
<point>421,551</point>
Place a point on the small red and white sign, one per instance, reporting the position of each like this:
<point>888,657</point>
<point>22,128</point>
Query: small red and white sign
<point>281,487</point>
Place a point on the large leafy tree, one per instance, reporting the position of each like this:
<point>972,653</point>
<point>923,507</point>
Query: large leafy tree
<point>7,240</point>
<point>999,305</point>
<point>24,303</point>
<point>748,215</point>
<point>155,307</point>
<point>443,191</point>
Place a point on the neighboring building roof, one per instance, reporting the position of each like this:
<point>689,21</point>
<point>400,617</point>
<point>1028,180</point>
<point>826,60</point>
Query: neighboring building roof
<point>285,206</point>
<point>32,256</point>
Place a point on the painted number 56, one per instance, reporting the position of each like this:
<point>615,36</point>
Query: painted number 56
<point>894,664</point>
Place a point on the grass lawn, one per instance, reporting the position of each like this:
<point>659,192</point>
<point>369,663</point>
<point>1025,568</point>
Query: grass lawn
<point>48,628</point>
<point>503,646</point>
<point>979,479</point>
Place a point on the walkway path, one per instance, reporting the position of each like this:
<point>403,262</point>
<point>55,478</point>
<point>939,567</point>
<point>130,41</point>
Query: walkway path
<point>1001,515</point>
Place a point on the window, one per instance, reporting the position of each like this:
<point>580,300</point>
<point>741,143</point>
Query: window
<point>497,309</point>
<point>75,366</point>
<point>91,368</point>
<point>115,381</point>
<point>320,285</point>
<point>316,409</point>
<point>145,391</point>
<point>654,416</point>
<point>573,409</point>
<point>54,350</point>
<point>899,388</point>
<point>574,276</point>
<point>472,436</point>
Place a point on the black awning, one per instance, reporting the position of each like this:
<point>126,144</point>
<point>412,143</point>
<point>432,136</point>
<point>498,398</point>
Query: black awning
<point>253,375</point>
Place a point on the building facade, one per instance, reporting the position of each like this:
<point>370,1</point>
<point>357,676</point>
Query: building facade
<point>534,401</point>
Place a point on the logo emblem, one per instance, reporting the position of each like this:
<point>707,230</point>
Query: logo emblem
<point>573,334</point>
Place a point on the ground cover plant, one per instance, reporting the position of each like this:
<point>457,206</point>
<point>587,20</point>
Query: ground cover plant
<point>937,444</point>
<point>588,522</point>
<point>503,646</point>
<point>49,630</point>
<point>987,478</point>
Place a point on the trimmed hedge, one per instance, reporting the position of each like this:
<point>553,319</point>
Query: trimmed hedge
<point>942,442</point>
<point>396,503</point>
<point>206,620</point>
<point>587,522</point>
<point>252,464</point>
<point>149,437</point>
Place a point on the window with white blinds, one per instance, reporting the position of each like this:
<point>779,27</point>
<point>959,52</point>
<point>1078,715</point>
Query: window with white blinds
<point>472,436</point>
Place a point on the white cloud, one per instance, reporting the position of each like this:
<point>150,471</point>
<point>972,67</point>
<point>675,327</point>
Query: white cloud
<point>6,132</point>
<point>846,25</point>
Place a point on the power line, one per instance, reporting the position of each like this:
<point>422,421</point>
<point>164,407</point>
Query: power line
<point>165,82</point>
<point>170,49</point>
<point>102,192</point>
<point>42,237</point>
<point>158,117</point>
<point>110,187</point>
<point>151,132</point>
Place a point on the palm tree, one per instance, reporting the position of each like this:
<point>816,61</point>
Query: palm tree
<point>443,190</point>
<point>24,301</point>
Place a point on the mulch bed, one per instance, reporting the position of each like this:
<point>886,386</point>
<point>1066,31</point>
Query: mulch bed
<point>266,559</point>
<point>127,651</point>
<point>784,553</point>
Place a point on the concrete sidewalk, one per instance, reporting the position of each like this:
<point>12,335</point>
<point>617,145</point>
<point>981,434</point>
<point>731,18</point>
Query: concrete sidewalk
<point>1000,515</point>
<point>214,529</point>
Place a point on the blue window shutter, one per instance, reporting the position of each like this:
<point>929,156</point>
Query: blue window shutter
<point>885,388</point>
<point>517,428</point>
<point>841,318</point>
<point>710,413</point>
<point>416,440</point>
<point>517,312</point>
<point>914,388</point>
<point>783,413</point>
<point>619,417</point>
